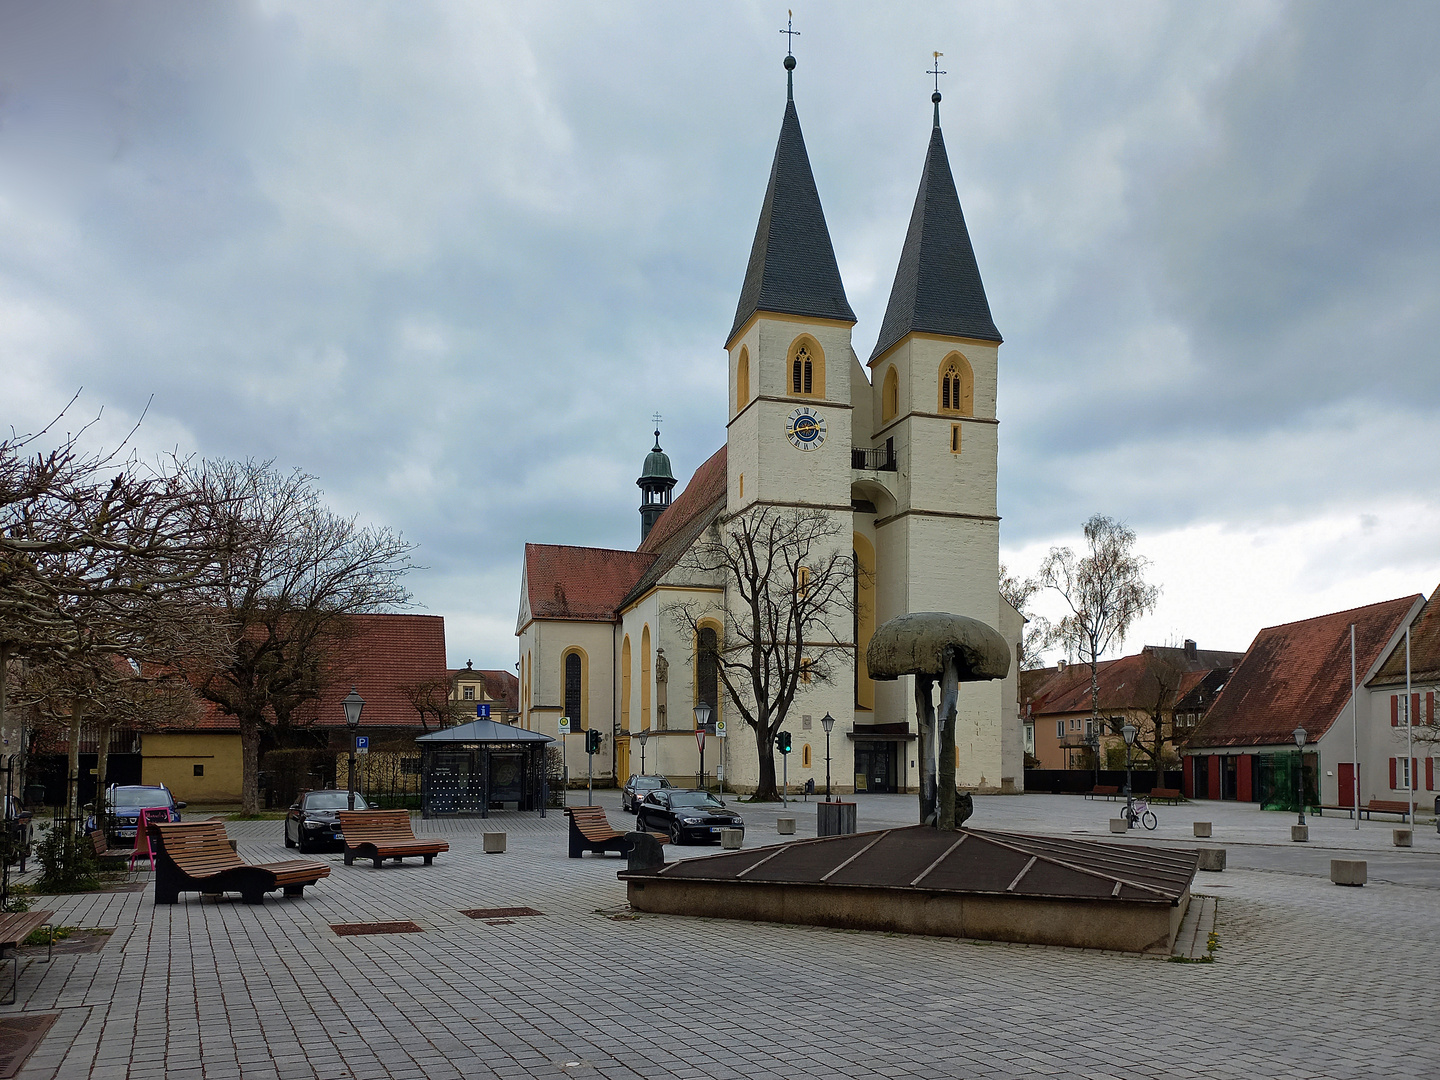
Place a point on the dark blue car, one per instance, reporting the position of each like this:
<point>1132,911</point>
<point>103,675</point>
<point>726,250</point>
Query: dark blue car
<point>125,801</point>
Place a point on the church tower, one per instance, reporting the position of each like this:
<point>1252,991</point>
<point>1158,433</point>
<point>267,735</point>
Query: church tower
<point>655,483</point>
<point>933,388</point>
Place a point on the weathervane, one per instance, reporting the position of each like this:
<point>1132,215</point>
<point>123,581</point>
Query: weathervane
<point>657,418</point>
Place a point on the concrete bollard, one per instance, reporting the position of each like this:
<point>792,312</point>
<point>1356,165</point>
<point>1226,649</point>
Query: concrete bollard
<point>785,826</point>
<point>731,839</point>
<point>1119,825</point>
<point>1347,871</point>
<point>494,843</point>
<point>1202,828</point>
<point>1299,833</point>
<point>1212,858</point>
<point>1404,837</point>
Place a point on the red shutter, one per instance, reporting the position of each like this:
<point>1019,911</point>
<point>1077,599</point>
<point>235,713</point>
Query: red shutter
<point>1430,706</point>
<point>1415,707</point>
<point>1394,712</point>
<point>1429,774</point>
<point>1393,770</point>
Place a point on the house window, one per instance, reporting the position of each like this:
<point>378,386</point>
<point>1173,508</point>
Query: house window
<point>409,766</point>
<point>468,693</point>
<point>199,770</point>
<point>1059,729</point>
<point>574,681</point>
<point>805,756</point>
<point>1089,728</point>
<point>1402,774</point>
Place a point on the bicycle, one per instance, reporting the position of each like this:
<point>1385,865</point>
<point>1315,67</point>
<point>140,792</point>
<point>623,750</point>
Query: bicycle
<point>1140,814</point>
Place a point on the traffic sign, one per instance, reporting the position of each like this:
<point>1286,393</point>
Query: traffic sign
<point>719,729</point>
<point>483,710</point>
<point>362,744</point>
<point>564,725</point>
<point>700,738</point>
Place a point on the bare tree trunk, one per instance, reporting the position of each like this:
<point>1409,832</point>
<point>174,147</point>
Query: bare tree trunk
<point>72,775</point>
<point>767,789</point>
<point>250,766</point>
<point>102,767</point>
<point>945,775</point>
<point>925,720</point>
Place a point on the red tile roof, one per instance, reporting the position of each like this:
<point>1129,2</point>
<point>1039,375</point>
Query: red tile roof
<point>582,584</point>
<point>1129,682</point>
<point>1424,649</point>
<point>705,488</point>
<point>1298,675</point>
<point>381,654</point>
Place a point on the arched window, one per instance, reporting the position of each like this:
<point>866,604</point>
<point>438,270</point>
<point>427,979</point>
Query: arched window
<point>575,690</point>
<point>625,685</point>
<point>805,760</point>
<point>890,395</point>
<point>807,368</point>
<point>957,386</point>
<point>707,672</point>
<point>742,380</point>
<point>645,685</point>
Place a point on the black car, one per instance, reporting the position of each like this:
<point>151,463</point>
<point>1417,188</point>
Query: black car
<point>312,820</point>
<point>688,816</point>
<point>637,787</point>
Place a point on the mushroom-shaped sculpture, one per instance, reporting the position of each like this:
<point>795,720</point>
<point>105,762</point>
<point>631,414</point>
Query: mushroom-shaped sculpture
<point>952,648</point>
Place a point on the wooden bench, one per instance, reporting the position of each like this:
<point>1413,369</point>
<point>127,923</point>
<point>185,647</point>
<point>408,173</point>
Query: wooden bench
<point>590,830</point>
<point>1166,794</point>
<point>384,834</point>
<point>195,856</point>
<point>108,857</point>
<point>1375,806</point>
<point>1109,791</point>
<point>14,929</point>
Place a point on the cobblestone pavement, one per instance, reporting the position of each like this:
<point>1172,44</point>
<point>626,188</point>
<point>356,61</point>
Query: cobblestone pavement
<point>1311,980</point>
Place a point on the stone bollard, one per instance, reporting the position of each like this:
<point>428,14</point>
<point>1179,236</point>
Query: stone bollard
<point>1299,833</point>
<point>494,843</point>
<point>1212,858</point>
<point>1119,825</point>
<point>785,826</point>
<point>731,839</point>
<point>1404,837</point>
<point>645,851</point>
<point>1202,828</point>
<point>1347,871</point>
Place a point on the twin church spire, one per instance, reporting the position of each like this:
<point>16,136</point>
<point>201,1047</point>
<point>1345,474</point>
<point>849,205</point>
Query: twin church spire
<point>793,271</point>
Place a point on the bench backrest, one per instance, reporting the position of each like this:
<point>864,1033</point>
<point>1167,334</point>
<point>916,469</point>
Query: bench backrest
<point>1389,806</point>
<point>592,821</point>
<point>199,848</point>
<point>375,826</point>
<point>97,837</point>
<point>1164,793</point>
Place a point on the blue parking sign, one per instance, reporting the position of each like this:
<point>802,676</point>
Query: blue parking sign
<point>362,744</point>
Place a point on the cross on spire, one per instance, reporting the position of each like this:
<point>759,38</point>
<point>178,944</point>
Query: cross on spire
<point>790,33</point>
<point>935,97</point>
<point>657,418</point>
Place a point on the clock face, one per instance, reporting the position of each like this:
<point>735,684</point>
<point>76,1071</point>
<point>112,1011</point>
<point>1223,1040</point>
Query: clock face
<point>805,428</point>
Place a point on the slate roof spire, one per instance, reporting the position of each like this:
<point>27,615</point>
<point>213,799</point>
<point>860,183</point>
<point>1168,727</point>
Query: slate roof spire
<point>792,268</point>
<point>937,284</point>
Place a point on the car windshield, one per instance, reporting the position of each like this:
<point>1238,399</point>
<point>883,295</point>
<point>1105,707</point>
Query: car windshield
<point>649,782</point>
<point>135,797</point>
<point>694,798</point>
<point>333,800</point>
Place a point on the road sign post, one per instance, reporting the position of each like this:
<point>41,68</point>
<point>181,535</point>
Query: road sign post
<point>564,761</point>
<point>362,744</point>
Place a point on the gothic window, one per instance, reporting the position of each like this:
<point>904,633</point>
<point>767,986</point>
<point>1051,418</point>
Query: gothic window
<point>890,395</point>
<point>742,380</point>
<point>802,372</point>
<point>957,386</point>
<point>707,681</point>
<point>574,684</point>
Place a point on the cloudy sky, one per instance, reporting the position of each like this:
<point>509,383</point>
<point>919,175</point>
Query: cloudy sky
<point>450,257</point>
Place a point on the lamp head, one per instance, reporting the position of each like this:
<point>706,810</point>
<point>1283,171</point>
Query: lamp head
<point>1129,731</point>
<point>643,737</point>
<point>827,722</point>
<point>702,715</point>
<point>353,704</point>
<point>1300,736</point>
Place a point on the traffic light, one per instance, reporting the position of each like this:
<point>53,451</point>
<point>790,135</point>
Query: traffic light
<point>782,742</point>
<point>592,741</point>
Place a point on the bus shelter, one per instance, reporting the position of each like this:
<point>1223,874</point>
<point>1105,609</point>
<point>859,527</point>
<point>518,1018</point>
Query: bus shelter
<point>482,766</point>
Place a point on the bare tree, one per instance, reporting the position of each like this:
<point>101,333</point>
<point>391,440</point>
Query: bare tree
<point>1105,590</point>
<point>1159,691</point>
<point>430,698</point>
<point>1039,633</point>
<point>289,574</point>
<point>789,575</point>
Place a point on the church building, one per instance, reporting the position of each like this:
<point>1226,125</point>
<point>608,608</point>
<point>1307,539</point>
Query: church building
<point>899,452</point>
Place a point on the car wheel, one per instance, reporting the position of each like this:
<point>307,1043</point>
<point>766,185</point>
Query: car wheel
<point>675,834</point>
<point>288,841</point>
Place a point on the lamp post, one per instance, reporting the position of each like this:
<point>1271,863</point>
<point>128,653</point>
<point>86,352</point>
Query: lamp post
<point>828,723</point>
<point>1129,731</point>
<point>353,705</point>
<point>643,737</point>
<point>1300,736</point>
<point>702,722</point>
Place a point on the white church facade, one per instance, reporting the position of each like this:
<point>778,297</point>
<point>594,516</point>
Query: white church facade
<point>897,452</point>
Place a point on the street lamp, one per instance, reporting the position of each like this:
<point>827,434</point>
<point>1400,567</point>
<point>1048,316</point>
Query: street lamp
<point>1300,736</point>
<point>353,704</point>
<point>702,722</point>
<point>1129,731</point>
<point>827,722</point>
<point>643,737</point>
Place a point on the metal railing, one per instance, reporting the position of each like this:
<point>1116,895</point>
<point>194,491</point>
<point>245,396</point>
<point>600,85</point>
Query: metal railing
<point>875,459</point>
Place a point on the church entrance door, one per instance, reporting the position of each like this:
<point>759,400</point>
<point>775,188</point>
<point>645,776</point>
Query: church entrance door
<point>875,766</point>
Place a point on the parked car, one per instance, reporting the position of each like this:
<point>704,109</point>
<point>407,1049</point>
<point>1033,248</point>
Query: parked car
<point>313,819</point>
<point>687,816</point>
<point>124,803</point>
<point>637,787</point>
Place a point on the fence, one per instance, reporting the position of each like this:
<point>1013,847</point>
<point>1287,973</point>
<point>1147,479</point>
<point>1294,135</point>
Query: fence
<point>1078,781</point>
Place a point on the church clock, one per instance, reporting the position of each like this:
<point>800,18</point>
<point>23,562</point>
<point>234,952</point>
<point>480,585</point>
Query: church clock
<point>805,428</point>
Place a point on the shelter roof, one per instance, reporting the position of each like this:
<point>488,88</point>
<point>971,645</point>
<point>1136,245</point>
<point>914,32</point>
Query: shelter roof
<point>581,584</point>
<point>1298,675</point>
<point>1424,649</point>
<point>792,269</point>
<point>484,731</point>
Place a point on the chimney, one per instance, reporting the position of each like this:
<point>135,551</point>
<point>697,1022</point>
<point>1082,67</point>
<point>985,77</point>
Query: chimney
<point>1190,649</point>
<point>1059,665</point>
